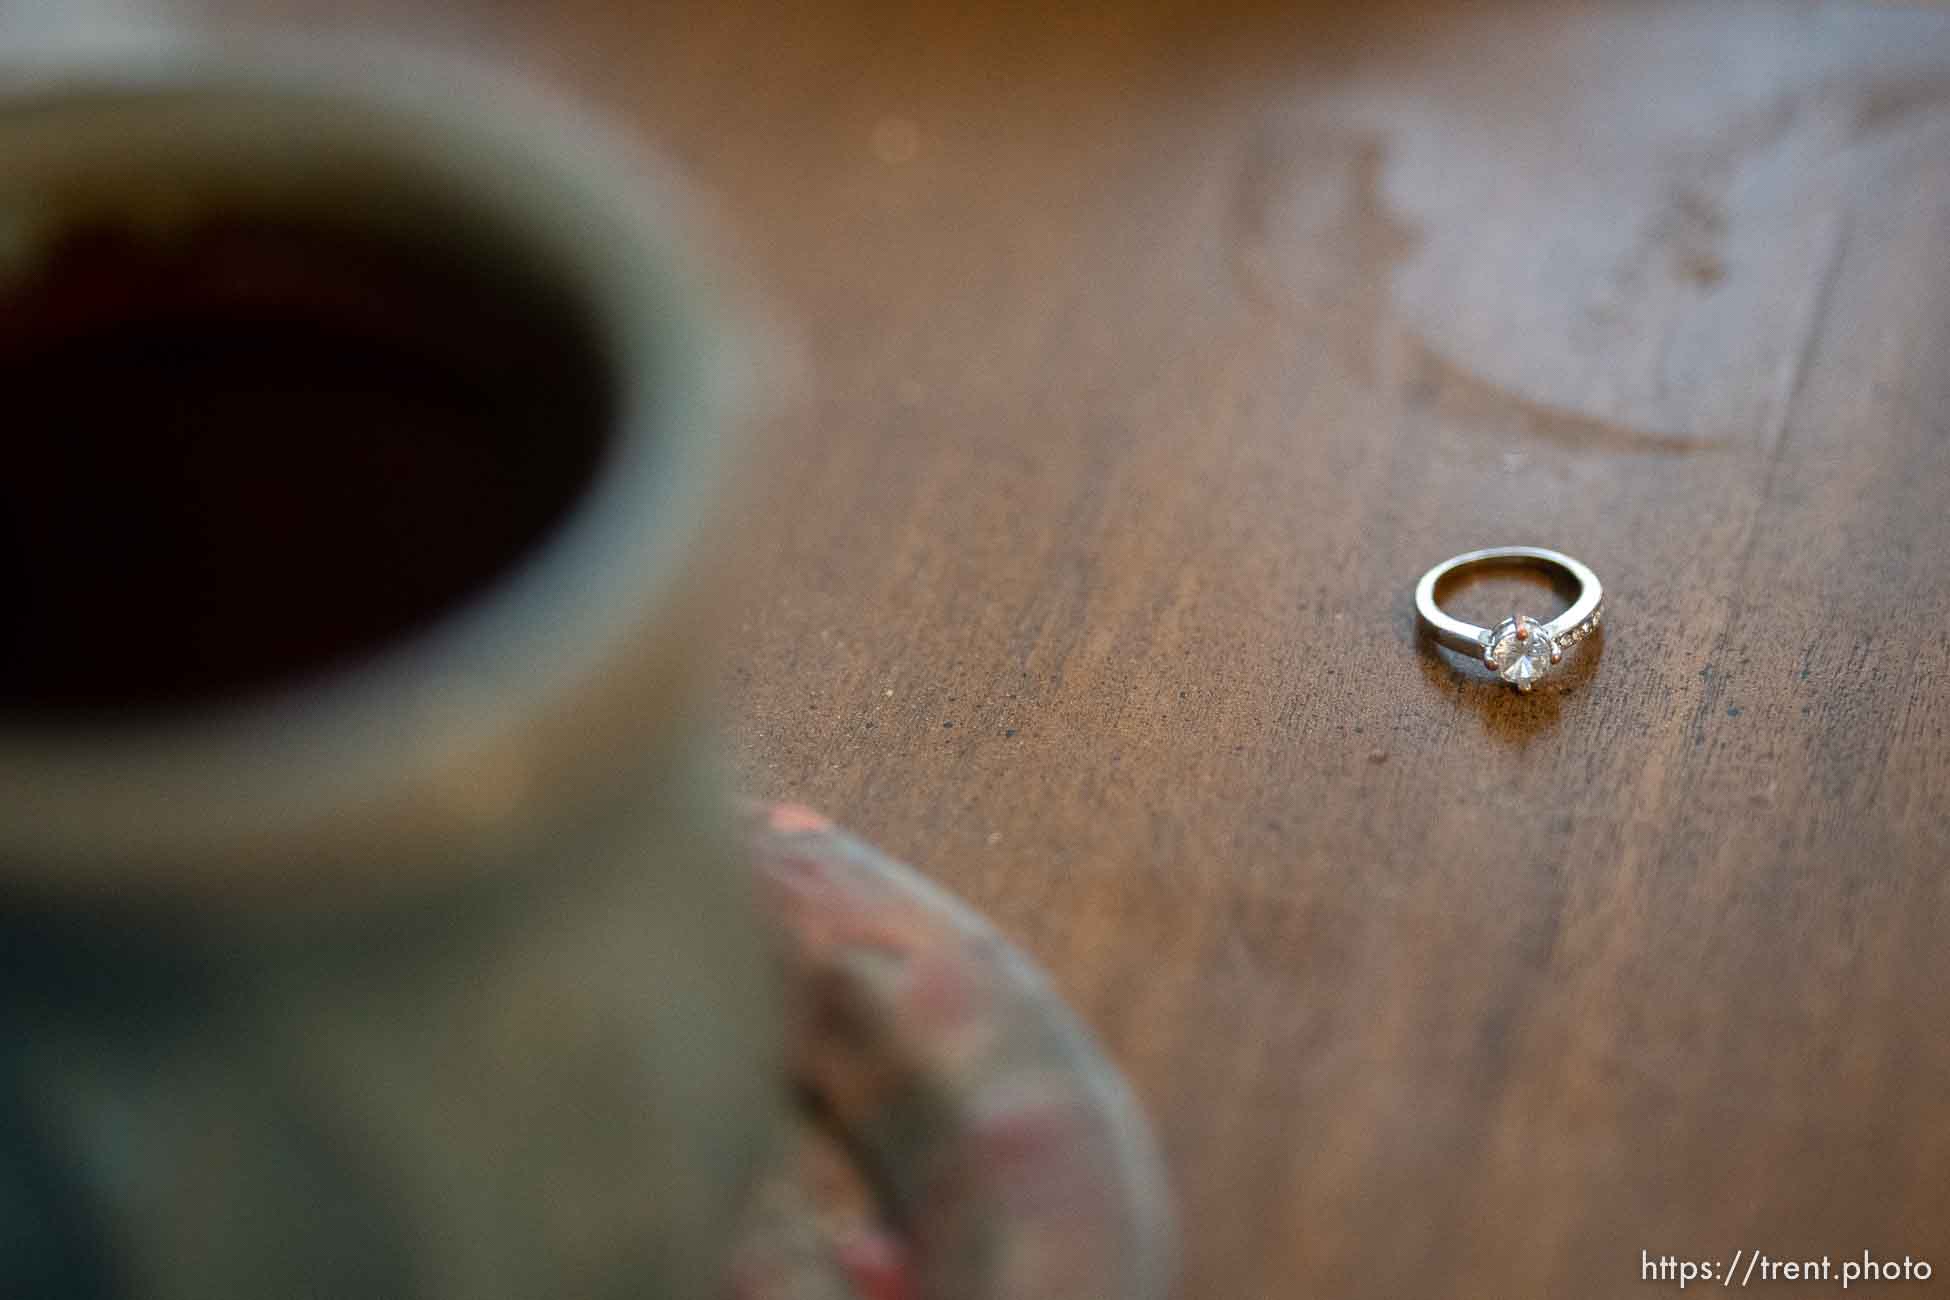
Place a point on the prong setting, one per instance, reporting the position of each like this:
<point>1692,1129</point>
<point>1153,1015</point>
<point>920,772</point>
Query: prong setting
<point>1521,651</point>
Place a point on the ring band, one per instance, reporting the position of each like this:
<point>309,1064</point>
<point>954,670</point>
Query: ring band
<point>1520,649</point>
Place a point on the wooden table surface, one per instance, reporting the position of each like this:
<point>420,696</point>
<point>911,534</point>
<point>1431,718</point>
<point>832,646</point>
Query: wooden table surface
<point>1152,351</point>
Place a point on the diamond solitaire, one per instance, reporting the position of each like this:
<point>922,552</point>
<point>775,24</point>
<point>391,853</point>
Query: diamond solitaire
<point>1521,650</point>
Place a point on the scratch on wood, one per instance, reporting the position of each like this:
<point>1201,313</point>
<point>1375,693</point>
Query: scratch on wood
<point>1794,376</point>
<point>1796,373</point>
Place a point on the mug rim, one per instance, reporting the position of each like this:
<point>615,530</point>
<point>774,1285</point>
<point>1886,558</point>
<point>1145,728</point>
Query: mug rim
<point>419,763</point>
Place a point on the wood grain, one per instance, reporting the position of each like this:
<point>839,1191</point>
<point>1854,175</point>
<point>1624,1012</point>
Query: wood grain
<point>1155,351</point>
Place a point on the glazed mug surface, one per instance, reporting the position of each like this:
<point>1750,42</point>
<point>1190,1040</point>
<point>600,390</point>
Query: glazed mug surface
<point>371,922</point>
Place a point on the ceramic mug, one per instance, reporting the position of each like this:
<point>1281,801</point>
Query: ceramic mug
<point>369,921</point>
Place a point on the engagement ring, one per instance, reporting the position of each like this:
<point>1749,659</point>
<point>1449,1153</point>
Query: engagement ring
<point>1520,649</point>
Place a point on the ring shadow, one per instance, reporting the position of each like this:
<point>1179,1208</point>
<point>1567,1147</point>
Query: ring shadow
<point>1508,715</point>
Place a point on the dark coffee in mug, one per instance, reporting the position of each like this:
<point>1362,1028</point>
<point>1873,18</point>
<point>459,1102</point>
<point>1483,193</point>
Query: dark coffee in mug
<point>246,451</point>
